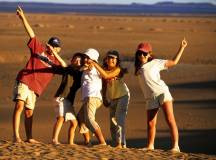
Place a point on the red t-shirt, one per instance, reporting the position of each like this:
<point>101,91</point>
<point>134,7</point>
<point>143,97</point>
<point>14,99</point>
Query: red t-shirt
<point>37,74</point>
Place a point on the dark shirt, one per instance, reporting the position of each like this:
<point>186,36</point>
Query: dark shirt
<point>71,82</point>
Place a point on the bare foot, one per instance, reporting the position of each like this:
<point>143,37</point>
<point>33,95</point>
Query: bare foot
<point>102,144</point>
<point>88,144</point>
<point>73,144</point>
<point>32,141</point>
<point>175,149</point>
<point>119,146</point>
<point>17,140</point>
<point>147,149</point>
<point>55,142</point>
<point>124,146</point>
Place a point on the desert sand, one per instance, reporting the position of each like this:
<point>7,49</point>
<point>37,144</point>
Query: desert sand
<point>63,151</point>
<point>192,83</point>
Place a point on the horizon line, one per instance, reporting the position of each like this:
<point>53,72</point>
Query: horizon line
<point>104,3</point>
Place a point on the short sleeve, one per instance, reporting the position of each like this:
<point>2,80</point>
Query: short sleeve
<point>161,64</point>
<point>35,46</point>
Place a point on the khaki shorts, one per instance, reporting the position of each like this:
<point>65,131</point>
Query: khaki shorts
<point>87,113</point>
<point>157,101</point>
<point>65,109</point>
<point>23,93</point>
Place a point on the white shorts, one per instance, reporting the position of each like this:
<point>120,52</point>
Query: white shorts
<point>157,101</point>
<point>22,92</point>
<point>65,109</point>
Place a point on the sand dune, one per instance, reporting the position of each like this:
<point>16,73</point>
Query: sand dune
<point>192,83</point>
<point>49,151</point>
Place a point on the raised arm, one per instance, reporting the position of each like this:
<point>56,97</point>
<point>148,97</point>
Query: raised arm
<point>28,28</point>
<point>175,60</point>
<point>106,74</point>
<point>55,53</point>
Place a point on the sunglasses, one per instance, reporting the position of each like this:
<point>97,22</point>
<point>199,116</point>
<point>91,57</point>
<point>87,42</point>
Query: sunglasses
<point>142,54</point>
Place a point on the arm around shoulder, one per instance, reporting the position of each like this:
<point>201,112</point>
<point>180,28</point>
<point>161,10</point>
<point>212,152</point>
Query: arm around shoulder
<point>107,74</point>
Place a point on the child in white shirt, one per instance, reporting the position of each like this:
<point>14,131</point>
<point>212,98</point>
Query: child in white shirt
<point>91,97</point>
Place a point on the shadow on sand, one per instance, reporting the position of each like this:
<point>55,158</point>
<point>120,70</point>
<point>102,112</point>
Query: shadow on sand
<point>196,85</point>
<point>207,103</point>
<point>191,141</point>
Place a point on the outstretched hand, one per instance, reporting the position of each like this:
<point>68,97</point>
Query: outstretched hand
<point>184,43</point>
<point>20,12</point>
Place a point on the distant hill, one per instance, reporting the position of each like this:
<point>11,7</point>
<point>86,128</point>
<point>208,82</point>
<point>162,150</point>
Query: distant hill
<point>132,9</point>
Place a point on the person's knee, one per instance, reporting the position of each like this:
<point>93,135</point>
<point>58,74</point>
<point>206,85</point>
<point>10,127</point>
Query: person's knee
<point>170,120</point>
<point>92,125</point>
<point>19,105</point>
<point>74,123</point>
<point>120,120</point>
<point>151,124</point>
<point>60,118</point>
<point>28,113</point>
<point>90,121</point>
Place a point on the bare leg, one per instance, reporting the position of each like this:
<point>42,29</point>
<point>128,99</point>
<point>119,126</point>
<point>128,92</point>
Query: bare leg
<point>83,129</point>
<point>151,127</point>
<point>19,105</point>
<point>56,129</point>
<point>28,125</point>
<point>71,131</point>
<point>86,138</point>
<point>170,119</point>
<point>100,136</point>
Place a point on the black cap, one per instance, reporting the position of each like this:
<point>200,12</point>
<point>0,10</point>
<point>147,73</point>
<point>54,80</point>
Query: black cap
<point>54,42</point>
<point>113,53</point>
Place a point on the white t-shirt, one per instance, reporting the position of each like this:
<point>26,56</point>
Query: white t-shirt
<point>150,80</point>
<point>91,84</point>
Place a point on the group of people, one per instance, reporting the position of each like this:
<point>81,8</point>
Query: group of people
<point>99,85</point>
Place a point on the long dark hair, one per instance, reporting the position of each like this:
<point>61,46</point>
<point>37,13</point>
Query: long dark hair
<point>137,63</point>
<point>118,64</point>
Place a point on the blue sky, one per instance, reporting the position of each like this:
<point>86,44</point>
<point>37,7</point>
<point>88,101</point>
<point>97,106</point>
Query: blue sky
<point>111,1</point>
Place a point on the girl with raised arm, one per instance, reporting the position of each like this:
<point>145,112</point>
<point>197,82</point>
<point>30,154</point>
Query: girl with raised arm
<point>156,92</point>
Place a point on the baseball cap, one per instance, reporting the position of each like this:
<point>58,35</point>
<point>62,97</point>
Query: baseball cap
<point>92,54</point>
<point>54,42</point>
<point>145,47</point>
<point>113,53</point>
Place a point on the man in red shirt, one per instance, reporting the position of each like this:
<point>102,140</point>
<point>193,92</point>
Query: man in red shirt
<point>34,78</point>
